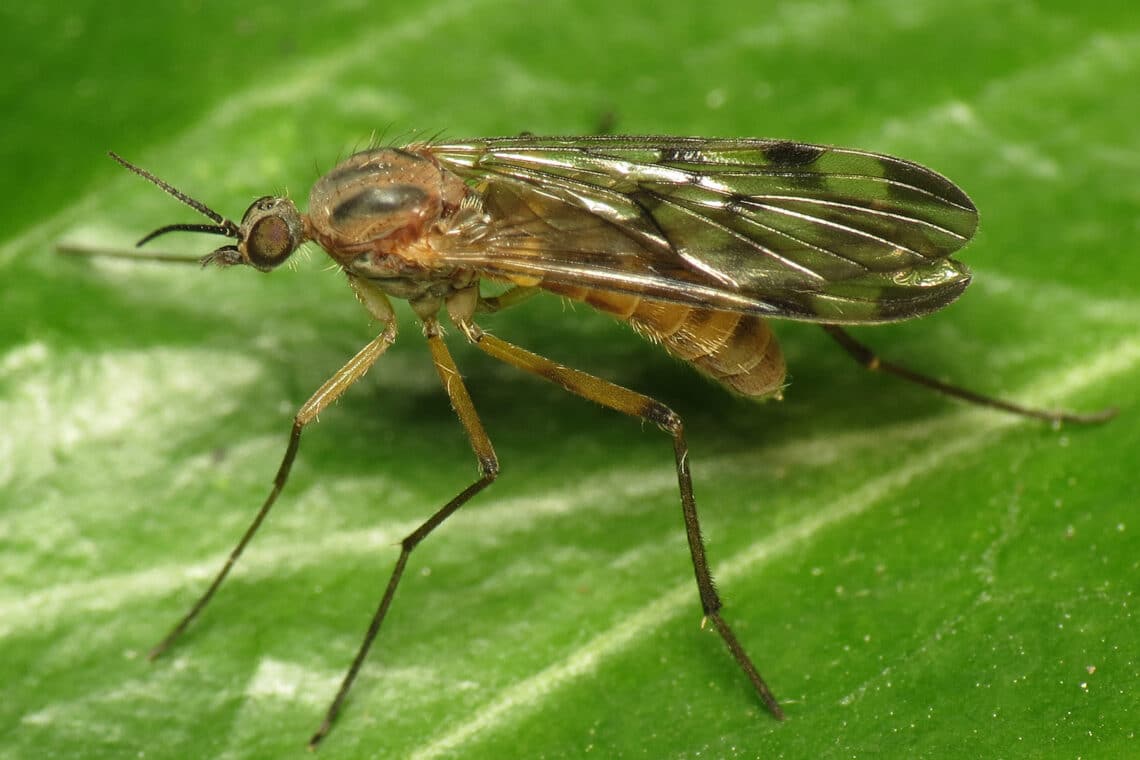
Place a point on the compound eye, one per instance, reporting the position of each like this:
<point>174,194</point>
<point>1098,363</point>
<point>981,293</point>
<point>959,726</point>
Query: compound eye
<point>270,242</point>
<point>270,231</point>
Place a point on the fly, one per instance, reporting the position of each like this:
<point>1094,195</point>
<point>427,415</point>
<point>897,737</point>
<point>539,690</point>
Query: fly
<point>695,242</point>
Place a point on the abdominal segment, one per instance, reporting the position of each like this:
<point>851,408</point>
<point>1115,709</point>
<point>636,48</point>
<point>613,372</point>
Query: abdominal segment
<point>737,350</point>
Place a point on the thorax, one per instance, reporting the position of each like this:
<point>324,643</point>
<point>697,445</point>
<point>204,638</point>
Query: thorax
<point>384,214</point>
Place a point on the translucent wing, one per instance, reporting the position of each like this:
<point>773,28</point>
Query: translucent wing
<point>759,226</point>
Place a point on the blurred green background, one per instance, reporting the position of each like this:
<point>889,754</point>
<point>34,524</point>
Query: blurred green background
<point>914,578</point>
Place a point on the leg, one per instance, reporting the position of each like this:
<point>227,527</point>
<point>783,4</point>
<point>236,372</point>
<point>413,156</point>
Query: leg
<point>488,471</point>
<point>636,405</point>
<point>78,250</point>
<point>333,388</point>
<point>508,298</point>
<point>866,357</point>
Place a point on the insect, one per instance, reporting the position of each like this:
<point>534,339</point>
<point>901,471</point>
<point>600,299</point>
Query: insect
<point>694,242</point>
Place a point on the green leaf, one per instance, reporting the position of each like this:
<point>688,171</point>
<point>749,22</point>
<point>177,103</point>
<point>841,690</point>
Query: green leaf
<point>914,577</point>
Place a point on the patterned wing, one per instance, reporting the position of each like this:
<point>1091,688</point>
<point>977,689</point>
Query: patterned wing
<point>759,226</point>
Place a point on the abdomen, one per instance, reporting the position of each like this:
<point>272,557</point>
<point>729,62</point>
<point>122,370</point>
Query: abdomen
<point>736,350</point>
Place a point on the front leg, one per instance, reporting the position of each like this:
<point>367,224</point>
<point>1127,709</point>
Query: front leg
<point>330,391</point>
<point>488,471</point>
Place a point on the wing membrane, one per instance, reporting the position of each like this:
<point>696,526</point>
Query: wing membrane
<point>761,226</point>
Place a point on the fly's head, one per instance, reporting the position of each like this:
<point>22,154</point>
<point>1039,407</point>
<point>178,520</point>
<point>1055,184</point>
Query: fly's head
<point>270,231</point>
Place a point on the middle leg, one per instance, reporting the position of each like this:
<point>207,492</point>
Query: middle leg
<point>637,405</point>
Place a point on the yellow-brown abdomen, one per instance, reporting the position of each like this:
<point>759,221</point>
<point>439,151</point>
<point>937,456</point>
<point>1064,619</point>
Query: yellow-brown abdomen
<point>737,350</point>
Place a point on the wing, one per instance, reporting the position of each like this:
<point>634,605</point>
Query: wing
<point>764,227</point>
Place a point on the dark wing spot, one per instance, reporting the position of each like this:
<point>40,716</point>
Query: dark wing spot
<point>373,201</point>
<point>788,153</point>
<point>898,308</point>
<point>903,175</point>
